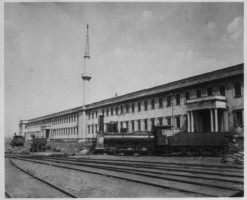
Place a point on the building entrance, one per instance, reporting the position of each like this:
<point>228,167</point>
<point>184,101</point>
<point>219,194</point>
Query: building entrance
<point>203,124</point>
<point>47,133</point>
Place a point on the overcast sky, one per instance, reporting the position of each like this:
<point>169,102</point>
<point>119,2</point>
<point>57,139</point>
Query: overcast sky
<point>132,46</point>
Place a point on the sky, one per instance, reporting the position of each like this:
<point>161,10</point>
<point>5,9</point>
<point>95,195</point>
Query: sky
<point>133,46</point>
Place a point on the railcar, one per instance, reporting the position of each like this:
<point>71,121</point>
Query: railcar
<point>161,141</point>
<point>17,140</point>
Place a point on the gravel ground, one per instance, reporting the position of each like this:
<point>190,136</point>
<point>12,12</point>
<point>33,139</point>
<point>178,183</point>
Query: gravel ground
<point>85,185</point>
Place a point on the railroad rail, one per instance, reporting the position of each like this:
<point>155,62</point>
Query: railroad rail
<point>184,179</point>
<point>41,180</point>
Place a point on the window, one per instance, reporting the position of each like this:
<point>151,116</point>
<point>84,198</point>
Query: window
<point>139,106</point>
<point>153,103</point>
<point>88,129</point>
<point>96,127</point>
<point>237,88</point>
<point>133,107</point>
<point>139,125</point>
<point>145,124</point>
<point>187,96</point>
<point>198,93</point>
<point>111,110</point>
<point>222,90</point>
<point>96,113</point>
<point>161,121</point>
<point>169,101</point>
<point>89,115</point>
<point>152,123</point>
<point>127,108</point>
<point>92,129</point>
<point>238,121</point>
<point>133,125</point>
<point>127,126</point>
<point>116,110</point>
<point>177,99</point>
<point>107,111</point>
<point>168,121</point>
<point>121,107</point>
<point>145,105</point>
<point>121,125</point>
<point>92,114</point>
<point>178,122</point>
<point>160,102</point>
<point>103,112</point>
<point>209,91</point>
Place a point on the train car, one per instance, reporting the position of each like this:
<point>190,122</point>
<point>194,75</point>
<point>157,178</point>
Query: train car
<point>163,140</point>
<point>17,140</point>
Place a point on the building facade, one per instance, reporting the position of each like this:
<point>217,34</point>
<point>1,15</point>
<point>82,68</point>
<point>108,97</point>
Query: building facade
<point>210,102</point>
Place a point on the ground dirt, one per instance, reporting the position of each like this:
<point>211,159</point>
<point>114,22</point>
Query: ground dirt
<point>85,185</point>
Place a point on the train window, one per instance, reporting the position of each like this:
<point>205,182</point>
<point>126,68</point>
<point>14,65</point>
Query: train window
<point>169,101</point>
<point>153,103</point>
<point>237,88</point>
<point>222,90</point>
<point>198,93</point>
<point>209,91</point>
<point>139,106</point>
<point>133,107</point>
<point>177,99</point>
<point>145,105</point>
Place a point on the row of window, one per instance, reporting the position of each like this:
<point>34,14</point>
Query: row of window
<point>61,120</point>
<point>64,131</point>
<point>131,125</point>
<point>131,107</point>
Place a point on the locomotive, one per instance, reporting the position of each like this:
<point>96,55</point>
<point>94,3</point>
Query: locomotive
<point>18,140</point>
<point>163,140</point>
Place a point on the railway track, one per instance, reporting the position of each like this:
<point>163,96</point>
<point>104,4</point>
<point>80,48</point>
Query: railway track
<point>195,181</point>
<point>66,193</point>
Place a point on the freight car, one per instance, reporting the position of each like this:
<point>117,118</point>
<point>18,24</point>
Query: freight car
<point>163,140</point>
<point>18,140</point>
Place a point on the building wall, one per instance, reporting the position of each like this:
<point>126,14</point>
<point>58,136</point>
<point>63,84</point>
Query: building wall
<point>71,125</point>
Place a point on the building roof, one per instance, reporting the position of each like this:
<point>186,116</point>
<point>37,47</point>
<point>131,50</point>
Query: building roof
<point>169,87</point>
<point>164,88</point>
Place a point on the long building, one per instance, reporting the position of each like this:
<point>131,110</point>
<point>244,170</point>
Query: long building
<point>210,102</point>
